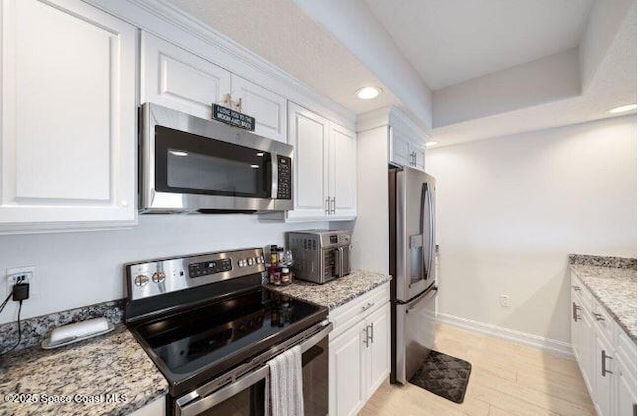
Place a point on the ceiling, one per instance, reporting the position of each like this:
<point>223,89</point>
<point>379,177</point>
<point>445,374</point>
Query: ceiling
<point>284,35</point>
<point>452,41</point>
<point>460,49</point>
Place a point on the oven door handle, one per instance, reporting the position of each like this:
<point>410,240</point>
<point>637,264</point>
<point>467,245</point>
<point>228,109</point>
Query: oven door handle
<point>195,404</point>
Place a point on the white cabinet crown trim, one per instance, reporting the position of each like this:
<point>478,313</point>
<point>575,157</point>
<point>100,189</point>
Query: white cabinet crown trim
<point>169,22</point>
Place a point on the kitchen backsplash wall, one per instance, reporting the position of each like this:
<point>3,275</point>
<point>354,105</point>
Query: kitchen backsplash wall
<point>511,209</point>
<point>83,268</point>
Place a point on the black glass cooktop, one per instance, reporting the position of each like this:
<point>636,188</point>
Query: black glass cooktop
<point>201,343</point>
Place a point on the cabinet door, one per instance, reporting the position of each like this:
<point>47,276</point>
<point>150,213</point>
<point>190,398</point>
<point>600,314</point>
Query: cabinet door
<point>603,387</point>
<point>379,348</point>
<point>625,391</point>
<point>176,78</point>
<point>68,116</point>
<point>346,366</point>
<point>419,153</point>
<point>268,108</point>
<point>342,170</point>
<point>399,148</point>
<point>309,135</point>
<point>587,348</point>
<point>576,342</point>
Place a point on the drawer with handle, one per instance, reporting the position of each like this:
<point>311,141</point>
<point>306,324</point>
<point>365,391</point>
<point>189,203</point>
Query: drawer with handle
<point>355,310</point>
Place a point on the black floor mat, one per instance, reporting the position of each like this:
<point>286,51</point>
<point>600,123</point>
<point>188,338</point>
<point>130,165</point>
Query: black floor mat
<point>443,375</point>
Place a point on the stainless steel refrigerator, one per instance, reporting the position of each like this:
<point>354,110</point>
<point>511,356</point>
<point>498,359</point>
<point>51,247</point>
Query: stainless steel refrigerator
<point>412,266</point>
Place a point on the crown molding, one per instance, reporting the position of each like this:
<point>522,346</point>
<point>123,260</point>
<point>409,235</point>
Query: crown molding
<point>172,24</point>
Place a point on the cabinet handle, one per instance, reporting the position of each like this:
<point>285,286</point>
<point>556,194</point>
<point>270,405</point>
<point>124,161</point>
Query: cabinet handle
<point>366,336</point>
<point>576,308</point>
<point>576,288</point>
<point>327,210</point>
<point>333,205</point>
<point>371,332</point>
<point>598,316</point>
<point>367,306</point>
<point>603,363</point>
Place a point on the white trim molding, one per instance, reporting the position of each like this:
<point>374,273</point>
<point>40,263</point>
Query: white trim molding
<point>170,23</point>
<point>523,338</point>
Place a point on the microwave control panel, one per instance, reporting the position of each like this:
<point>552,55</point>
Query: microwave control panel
<point>284,177</point>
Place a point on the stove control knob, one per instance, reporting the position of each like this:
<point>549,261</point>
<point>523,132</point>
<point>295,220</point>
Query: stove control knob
<point>261,258</point>
<point>250,261</point>
<point>141,280</point>
<point>242,263</point>
<point>158,277</point>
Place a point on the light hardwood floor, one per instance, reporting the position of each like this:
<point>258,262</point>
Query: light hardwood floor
<point>506,380</point>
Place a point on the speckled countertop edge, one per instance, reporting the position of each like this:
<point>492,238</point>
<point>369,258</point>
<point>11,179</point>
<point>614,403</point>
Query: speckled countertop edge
<point>111,372</point>
<point>34,330</point>
<point>336,292</point>
<point>620,303</point>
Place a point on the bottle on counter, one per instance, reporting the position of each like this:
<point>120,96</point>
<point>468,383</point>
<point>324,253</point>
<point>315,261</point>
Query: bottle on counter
<point>285,276</point>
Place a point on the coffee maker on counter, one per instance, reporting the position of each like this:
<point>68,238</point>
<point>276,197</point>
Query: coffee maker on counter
<point>321,255</point>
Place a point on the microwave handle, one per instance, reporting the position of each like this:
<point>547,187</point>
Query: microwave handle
<point>274,175</point>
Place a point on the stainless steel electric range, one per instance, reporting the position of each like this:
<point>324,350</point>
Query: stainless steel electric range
<point>211,327</point>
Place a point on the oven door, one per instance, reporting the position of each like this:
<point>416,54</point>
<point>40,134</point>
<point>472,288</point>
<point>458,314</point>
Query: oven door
<point>190,164</point>
<point>246,396</point>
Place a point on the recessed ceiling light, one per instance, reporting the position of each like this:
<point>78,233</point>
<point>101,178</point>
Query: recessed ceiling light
<point>623,108</point>
<point>368,93</point>
<point>178,153</point>
<point>432,143</point>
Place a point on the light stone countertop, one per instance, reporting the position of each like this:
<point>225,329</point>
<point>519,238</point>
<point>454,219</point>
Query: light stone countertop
<point>107,375</point>
<point>336,292</point>
<point>615,288</point>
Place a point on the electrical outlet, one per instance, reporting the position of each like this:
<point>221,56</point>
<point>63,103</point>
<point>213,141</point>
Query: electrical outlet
<point>15,273</point>
<point>505,301</point>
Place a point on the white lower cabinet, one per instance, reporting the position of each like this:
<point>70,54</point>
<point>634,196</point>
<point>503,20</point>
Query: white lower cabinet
<point>605,354</point>
<point>359,352</point>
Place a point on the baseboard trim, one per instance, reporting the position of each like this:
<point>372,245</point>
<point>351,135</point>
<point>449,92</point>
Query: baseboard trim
<point>530,340</point>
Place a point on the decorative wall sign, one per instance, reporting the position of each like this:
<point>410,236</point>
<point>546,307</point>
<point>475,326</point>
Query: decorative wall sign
<point>232,117</point>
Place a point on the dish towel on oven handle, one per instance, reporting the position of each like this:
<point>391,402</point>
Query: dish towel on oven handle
<point>283,388</point>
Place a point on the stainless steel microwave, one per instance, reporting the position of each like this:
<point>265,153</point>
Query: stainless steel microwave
<point>189,164</point>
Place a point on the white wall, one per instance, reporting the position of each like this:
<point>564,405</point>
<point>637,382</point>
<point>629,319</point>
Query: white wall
<point>83,268</point>
<point>511,208</point>
<point>552,78</point>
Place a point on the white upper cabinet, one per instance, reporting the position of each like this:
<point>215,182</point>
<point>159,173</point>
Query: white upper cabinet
<point>406,139</point>
<point>309,136</point>
<point>324,167</point>
<point>176,78</point>
<point>268,108</point>
<point>68,117</point>
<point>404,150</point>
<point>342,171</point>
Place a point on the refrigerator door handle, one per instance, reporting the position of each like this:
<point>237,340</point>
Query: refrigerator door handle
<point>432,232</point>
<point>426,207</point>
<point>431,292</point>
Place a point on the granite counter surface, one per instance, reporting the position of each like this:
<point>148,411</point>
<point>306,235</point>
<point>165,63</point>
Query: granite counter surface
<point>337,292</point>
<point>615,288</point>
<point>107,375</point>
